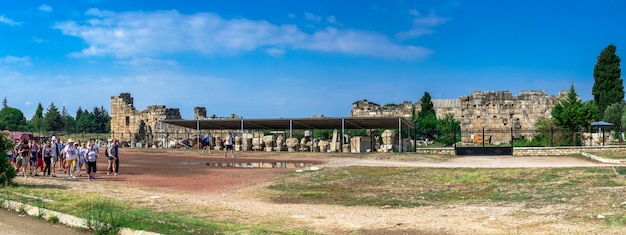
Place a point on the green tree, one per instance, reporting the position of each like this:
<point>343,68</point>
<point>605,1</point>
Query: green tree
<point>102,119</point>
<point>12,119</point>
<point>4,102</point>
<point>69,124</point>
<point>613,114</point>
<point>549,135</point>
<point>87,122</point>
<point>447,127</point>
<point>52,120</point>
<point>78,113</point>
<point>7,172</point>
<point>571,114</point>
<point>608,87</point>
<point>426,117</point>
<point>37,120</point>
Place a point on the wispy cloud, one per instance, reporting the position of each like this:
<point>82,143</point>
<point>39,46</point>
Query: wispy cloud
<point>15,60</point>
<point>146,34</point>
<point>312,17</point>
<point>422,24</point>
<point>45,8</point>
<point>8,21</point>
<point>275,52</point>
<point>372,44</point>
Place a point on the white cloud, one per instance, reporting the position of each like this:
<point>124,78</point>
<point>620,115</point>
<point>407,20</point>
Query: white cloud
<point>45,8</point>
<point>15,60</point>
<point>422,24</point>
<point>151,34</point>
<point>354,42</point>
<point>275,52</point>
<point>8,21</point>
<point>312,17</point>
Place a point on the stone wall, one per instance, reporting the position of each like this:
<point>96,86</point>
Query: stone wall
<point>501,110</point>
<point>128,124</point>
<point>490,110</point>
<point>364,108</point>
<point>199,113</point>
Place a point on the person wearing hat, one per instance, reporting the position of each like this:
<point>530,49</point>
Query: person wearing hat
<point>71,155</point>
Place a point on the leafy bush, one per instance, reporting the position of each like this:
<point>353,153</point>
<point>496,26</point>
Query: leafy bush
<point>7,172</point>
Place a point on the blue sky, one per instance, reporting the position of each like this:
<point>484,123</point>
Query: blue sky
<point>285,58</point>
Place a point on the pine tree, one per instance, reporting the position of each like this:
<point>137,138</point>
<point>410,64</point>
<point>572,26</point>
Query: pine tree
<point>37,120</point>
<point>52,121</point>
<point>608,87</point>
<point>79,112</point>
<point>426,117</point>
<point>571,114</point>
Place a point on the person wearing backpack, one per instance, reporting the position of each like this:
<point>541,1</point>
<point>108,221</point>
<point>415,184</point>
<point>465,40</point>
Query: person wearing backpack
<point>206,142</point>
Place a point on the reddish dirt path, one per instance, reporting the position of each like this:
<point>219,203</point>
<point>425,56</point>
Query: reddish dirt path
<point>187,171</point>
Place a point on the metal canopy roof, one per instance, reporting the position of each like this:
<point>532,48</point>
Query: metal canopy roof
<point>296,123</point>
<point>602,123</point>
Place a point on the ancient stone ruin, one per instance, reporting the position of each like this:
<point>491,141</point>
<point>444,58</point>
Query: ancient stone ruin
<point>481,110</point>
<point>131,125</point>
<point>489,110</point>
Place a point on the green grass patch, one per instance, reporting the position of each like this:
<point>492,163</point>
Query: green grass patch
<point>106,215</point>
<point>413,187</point>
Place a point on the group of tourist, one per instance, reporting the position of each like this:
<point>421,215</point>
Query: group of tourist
<point>37,158</point>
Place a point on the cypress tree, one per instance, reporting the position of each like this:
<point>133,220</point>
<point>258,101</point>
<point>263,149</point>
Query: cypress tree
<point>608,87</point>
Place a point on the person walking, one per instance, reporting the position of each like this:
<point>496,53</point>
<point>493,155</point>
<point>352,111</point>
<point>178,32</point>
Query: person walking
<point>55,153</point>
<point>23,157</point>
<point>206,142</point>
<point>71,155</point>
<point>91,158</point>
<point>228,144</point>
<point>62,156</point>
<point>82,150</point>
<point>39,167</point>
<point>34,152</point>
<point>47,157</point>
<point>114,158</point>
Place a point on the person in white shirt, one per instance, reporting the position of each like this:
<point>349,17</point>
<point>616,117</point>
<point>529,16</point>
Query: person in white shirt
<point>71,155</point>
<point>92,156</point>
<point>228,146</point>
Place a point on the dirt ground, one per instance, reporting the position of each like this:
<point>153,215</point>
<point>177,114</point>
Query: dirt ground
<point>181,180</point>
<point>12,223</point>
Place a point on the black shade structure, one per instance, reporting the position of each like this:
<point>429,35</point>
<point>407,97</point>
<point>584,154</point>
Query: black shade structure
<point>294,123</point>
<point>350,123</point>
<point>602,125</point>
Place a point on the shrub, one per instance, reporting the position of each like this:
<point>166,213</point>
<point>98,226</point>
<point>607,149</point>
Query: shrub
<point>7,172</point>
